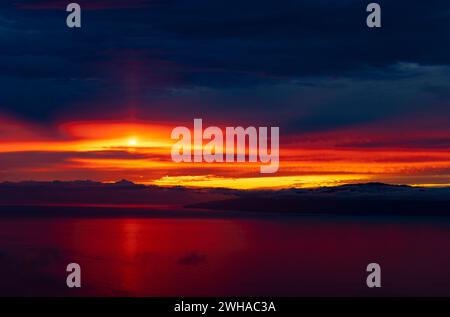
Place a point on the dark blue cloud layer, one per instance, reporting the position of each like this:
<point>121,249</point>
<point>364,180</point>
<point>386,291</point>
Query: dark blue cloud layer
<point>306,64</point>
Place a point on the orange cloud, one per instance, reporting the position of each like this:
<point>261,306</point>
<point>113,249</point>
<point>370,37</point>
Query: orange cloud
<point>140,151</point>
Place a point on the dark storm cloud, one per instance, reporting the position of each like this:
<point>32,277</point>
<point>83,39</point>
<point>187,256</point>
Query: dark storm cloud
<point>286,56</point>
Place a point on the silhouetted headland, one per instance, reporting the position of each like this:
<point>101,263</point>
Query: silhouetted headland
<point>88,198</point>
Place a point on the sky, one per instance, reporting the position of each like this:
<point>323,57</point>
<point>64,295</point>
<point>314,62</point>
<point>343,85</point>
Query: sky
<point>353,104</point>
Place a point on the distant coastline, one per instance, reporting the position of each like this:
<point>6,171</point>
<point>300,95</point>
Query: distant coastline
<point>124,198</point>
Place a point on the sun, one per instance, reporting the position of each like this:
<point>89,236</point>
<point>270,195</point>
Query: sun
<point>132,141</point>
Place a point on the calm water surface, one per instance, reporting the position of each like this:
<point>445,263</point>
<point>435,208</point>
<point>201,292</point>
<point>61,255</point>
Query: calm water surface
<point>219,257</point>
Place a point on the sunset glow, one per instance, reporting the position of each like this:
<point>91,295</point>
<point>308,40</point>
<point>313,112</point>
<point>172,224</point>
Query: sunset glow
<point>140,152</point>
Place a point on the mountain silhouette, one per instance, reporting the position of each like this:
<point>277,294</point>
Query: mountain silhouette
<point>353,199</point>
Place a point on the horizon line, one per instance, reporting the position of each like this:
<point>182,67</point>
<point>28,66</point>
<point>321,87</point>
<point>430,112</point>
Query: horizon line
<point>147,184</point>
